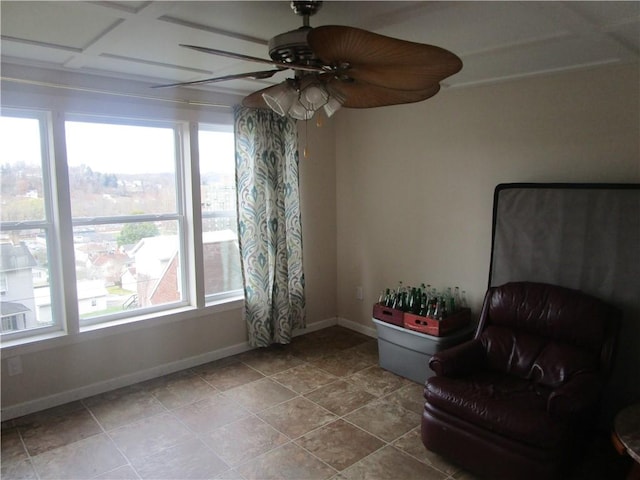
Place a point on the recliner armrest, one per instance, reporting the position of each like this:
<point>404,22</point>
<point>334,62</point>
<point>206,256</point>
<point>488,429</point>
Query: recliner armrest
<point>577,398</point>
<point>459,360</point>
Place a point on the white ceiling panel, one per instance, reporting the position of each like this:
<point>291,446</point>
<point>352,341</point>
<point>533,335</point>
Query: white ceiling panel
<point>140,40</point>
<point>535,59</point>
<point>19,52</point>
<point>480,26</point>
<point>607,14</point>
<point>65,24</point>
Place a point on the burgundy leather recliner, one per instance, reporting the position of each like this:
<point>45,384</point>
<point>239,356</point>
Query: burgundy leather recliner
<point>516,400</point>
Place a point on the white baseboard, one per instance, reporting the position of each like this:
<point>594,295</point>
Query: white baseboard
<point>38,404</point>
<point>358,327</point>
<point>97,388</point>
<point>315,326</point>
<point>343,322</point>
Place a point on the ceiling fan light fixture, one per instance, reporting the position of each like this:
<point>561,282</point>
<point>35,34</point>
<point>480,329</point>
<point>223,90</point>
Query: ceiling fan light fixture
<point>301,99</point>
<point>281,98</point>
<point>332,106</point>
<point>314,96</point>
<point>334,103</point>
<point>300,112</point>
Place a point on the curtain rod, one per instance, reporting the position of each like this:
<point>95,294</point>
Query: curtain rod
<point>108,92</point>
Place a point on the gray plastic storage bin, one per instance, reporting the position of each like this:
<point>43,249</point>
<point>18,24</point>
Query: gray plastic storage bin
<point>407,353</point>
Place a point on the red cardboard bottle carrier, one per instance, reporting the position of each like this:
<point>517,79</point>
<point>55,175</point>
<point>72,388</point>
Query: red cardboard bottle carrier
<point>389,315</point>
<point>430,326</point>
<point>437,328</point>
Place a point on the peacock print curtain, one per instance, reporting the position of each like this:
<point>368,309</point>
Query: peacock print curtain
<point>269,226</point>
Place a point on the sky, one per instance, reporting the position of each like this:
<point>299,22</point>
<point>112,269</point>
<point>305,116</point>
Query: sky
<point>22,143</point>
<point>109,148</point>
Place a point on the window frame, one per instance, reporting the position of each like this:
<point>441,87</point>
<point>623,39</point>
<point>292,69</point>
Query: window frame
<point>47,224</point>
<point>231,294</point>
<point>64,302</point>
<point>180,130</point>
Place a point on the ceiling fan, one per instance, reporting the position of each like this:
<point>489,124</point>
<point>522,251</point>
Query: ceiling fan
<point>339,66</point>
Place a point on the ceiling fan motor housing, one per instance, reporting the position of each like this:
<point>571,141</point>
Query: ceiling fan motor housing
<point>292,47</point>
<point>306,7</point>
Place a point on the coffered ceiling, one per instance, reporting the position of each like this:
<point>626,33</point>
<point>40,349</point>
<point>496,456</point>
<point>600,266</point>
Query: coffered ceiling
<point>139,40</point>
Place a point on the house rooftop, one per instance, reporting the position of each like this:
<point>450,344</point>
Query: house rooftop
<point>15,257</point>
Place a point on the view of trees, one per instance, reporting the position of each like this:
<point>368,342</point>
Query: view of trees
<point>22,192</point>
<point>92,193</point>
<point>107,194</point>
<point>132,233</point>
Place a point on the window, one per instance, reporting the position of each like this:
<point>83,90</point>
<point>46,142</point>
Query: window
<point>116,214</point>
<point>221,258</point>
<point>26,235</point>
<point>127,216</point>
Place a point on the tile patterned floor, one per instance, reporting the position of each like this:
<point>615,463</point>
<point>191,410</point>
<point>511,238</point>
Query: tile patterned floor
<point>319,408</point>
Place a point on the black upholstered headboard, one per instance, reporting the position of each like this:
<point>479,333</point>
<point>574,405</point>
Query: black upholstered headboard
<point>582,236</point>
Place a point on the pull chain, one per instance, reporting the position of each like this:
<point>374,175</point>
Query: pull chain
<point>319,124</point>
<point>305,151</point>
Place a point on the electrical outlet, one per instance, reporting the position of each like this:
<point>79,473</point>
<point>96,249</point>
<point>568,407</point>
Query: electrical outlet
<point>359,294</point>
<point>14,365</point>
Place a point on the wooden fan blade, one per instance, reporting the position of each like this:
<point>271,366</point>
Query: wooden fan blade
<point>240,56</point>
<point>359,94</point>
<point>255,99</point>
<point>380,60</point>
<point>256,75</point>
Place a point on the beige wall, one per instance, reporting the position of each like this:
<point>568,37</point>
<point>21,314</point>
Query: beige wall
<point>318,208</point>
<point>415,183</point>
<point>91,365</point>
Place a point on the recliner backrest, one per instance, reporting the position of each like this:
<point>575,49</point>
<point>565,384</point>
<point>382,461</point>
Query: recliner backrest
<point>545,333</point>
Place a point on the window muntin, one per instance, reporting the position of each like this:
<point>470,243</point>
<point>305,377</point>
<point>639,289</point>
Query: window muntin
<point>221,259</point>
<point>25,229</point>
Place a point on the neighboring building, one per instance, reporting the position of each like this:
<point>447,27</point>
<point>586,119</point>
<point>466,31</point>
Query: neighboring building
<point>167,288</point>
<point>152,256</point>
<point>15,316</point>
<point>17,306</point>
<point>92,297</point>
<point>128,279</point>
<point>109,266</point>
<point>221,262</point>
<point>157,271</point>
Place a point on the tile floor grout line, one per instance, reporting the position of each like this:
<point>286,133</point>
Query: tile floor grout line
<point>279,447</point>
<point>338,471</point>
<point>116,446</point>
<point>26,450</point>
<point>195,435</point>
<point>101,432</point>
<point>301,395</point>
<point>384,443</point>
<point>422,461</point>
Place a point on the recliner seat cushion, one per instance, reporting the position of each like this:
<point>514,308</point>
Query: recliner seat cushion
<point>505,404</point>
